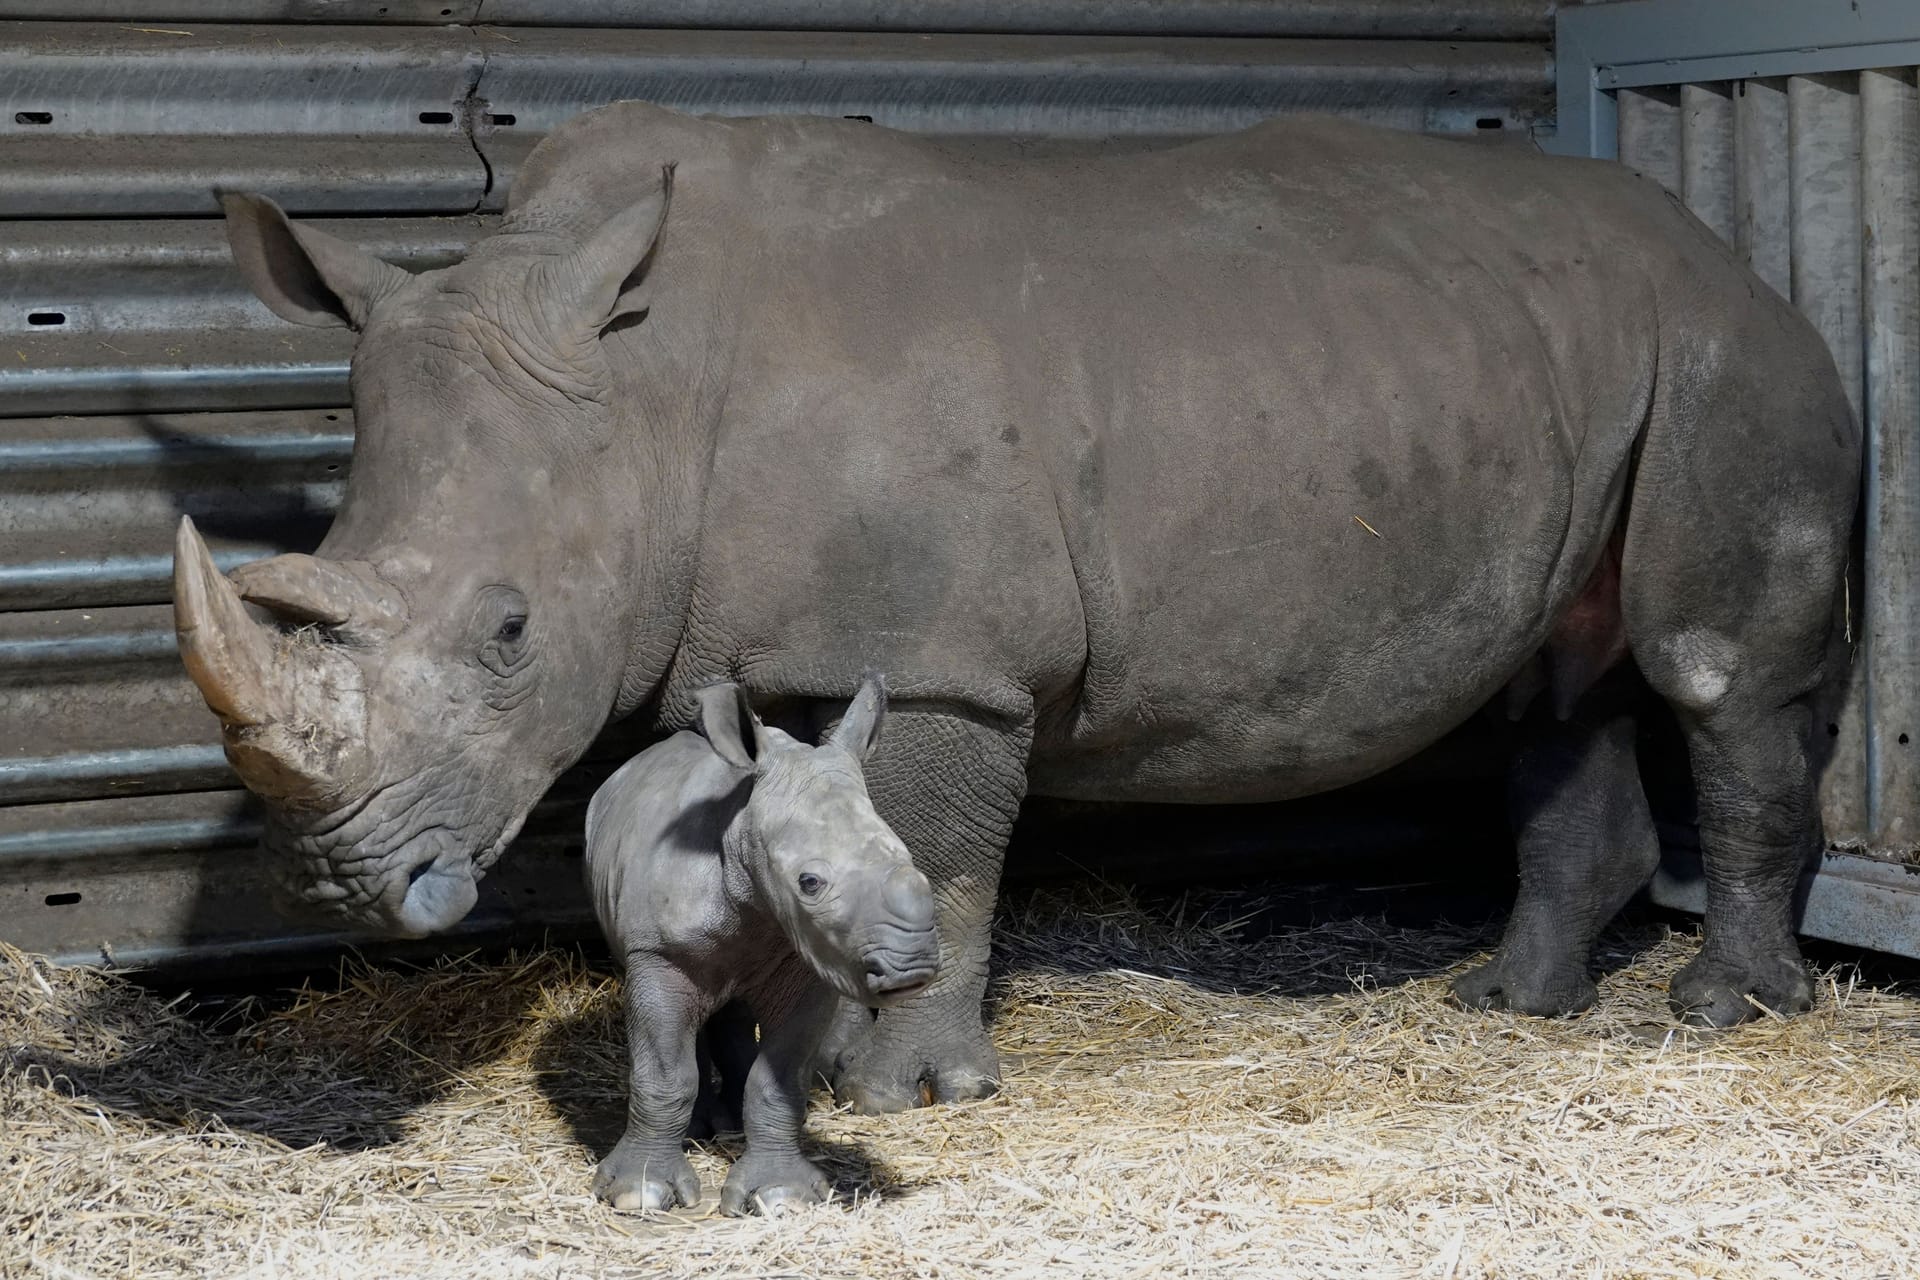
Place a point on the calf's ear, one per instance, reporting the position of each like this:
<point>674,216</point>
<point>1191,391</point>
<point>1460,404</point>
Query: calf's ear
<point>303,275</point>
<point>729,725</point>
<point>859,729</point>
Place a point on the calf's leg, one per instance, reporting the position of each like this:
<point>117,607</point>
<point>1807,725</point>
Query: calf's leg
<point>648,1168</point>
<point>773,1175</point>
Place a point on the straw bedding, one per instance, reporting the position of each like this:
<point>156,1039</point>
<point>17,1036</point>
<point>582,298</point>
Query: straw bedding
<point>1190,1091</point>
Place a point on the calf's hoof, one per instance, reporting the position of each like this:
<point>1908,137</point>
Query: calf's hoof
<point>888,1071</point>
<point>772,1185</point>
<point>633,1178</point>
<point>1545,992</point>
<point>1712,989</point>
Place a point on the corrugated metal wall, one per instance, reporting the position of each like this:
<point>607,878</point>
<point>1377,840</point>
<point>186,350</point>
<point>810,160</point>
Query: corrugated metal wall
<point>1815,181</point>
<point>139,380</point>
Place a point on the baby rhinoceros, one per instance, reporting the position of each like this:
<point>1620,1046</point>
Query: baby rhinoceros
<point>737,863</point>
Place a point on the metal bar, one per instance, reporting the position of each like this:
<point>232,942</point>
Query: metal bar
<point>1381,19</point>
<point>1762,218</point>
<point>1761,65</point>
<point>1706,155</point>
<point>129,771</point>
<point>1373,19</point>
<point>1060,86</point>
<point>1863,902</point>
<point>1890,207</point>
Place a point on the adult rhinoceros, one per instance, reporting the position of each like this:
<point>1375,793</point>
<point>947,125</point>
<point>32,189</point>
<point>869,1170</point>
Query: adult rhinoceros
<point>1227,472</point>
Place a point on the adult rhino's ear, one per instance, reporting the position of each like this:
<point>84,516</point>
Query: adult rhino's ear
<point>729,725</point>
<point>303,275</point>
<point>605,278</point>
<point>859,729</point>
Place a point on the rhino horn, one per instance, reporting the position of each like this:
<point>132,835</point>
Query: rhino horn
<point>303,588</point>
<point>271,699</point>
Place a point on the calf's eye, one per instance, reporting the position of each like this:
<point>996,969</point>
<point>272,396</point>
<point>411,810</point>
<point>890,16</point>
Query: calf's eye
<point>811,884</point>
<point>512,629</point>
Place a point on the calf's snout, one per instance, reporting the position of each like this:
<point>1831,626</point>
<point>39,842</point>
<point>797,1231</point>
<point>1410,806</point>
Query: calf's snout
<point>902,951</point>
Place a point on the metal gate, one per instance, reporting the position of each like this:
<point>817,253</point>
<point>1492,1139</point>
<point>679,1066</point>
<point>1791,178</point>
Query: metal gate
<point>1792,128</point>
<point>139,380</point>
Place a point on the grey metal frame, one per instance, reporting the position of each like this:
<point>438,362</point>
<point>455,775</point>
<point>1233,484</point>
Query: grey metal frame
<point>1599,49</point>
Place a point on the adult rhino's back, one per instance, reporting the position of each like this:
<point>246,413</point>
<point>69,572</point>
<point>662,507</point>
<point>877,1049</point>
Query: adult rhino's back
<point>1302,437</point>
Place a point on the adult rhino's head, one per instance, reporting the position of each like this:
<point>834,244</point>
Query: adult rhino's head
<point>462,633</point>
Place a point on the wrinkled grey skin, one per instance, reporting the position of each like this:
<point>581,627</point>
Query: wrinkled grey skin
<point>738,863</point>
<point>1233,471</point>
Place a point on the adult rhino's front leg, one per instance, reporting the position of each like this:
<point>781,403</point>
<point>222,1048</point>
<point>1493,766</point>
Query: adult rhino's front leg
<point>949,781</point>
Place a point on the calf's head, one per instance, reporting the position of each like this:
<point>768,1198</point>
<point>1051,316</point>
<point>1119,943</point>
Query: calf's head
<point>821,861</point>
<point>402,698</point>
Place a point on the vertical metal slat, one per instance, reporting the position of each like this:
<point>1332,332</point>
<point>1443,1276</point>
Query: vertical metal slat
<point>1823,115</point>
<point>1706,155</point>
<point>1890,207</point>
<point>1760,231</point>
<point>1823,145</point>
<point>1650,134</point>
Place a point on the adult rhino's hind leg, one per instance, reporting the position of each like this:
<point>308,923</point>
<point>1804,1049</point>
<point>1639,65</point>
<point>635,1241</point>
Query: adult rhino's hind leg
<point>950,782</point>
<point>1731,581</point>
<point>1586,842</point>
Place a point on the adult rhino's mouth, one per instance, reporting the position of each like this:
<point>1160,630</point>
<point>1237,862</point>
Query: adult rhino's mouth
<point>439,894</point>
<point>443,888</point>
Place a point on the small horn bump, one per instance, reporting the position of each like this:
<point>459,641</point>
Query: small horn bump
<point>303,588</point>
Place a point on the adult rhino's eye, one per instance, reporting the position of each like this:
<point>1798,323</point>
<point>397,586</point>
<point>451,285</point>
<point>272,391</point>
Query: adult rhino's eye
<point>503,642</point>
<point>811,884</point>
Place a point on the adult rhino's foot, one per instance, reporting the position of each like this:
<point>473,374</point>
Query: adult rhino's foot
<point>896,1067</point>
<point>1524,986</point>
<point>641,1176</point>
<point>772,1185</point>
<point>1714,988</point>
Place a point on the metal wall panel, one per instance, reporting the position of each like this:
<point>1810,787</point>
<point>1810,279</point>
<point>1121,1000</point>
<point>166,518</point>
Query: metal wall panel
<point>139,380</point>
